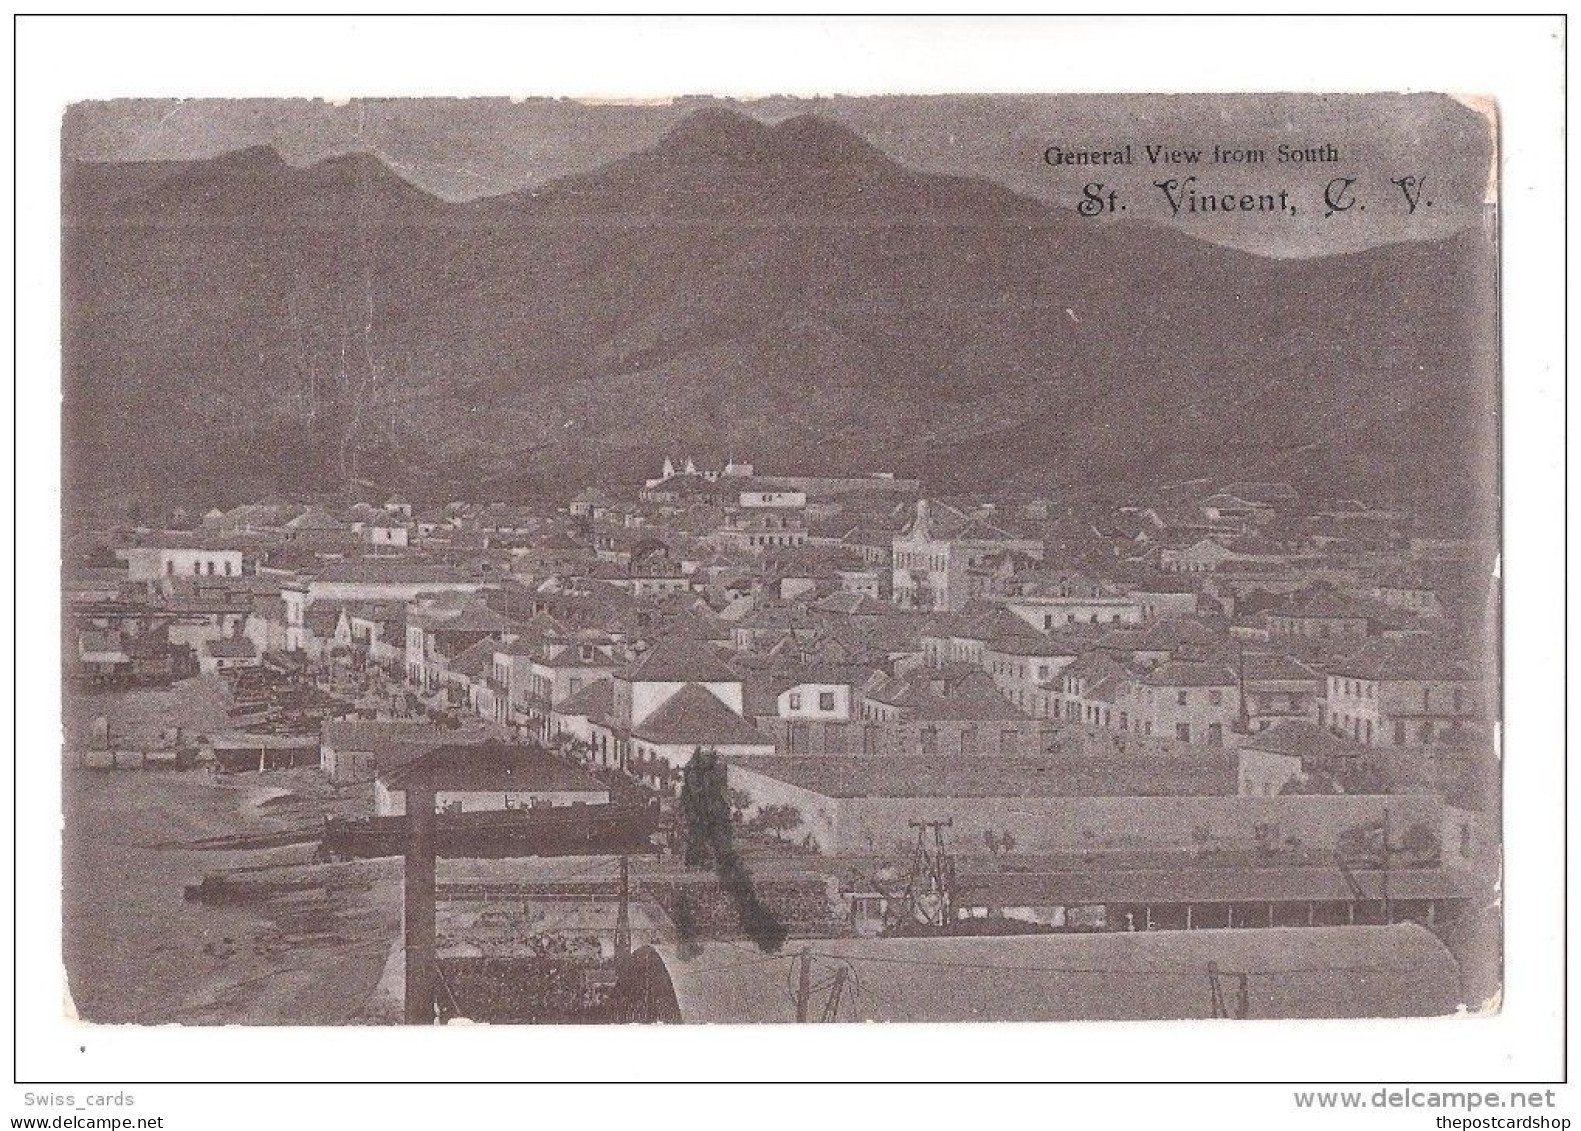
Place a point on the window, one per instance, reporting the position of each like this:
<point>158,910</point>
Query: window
<point>795,701</point>
<point>969,740</point>
<point>170,568</point>
<point>1181,697</point>
<point>826,700</point>
<point>1183,732</point>
<point>930,740</point>
<point>1216,734</point>
<point>1216,698</point>
<point>227,568</point>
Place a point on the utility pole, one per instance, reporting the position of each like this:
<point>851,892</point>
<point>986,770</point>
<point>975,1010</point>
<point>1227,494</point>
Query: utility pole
<point>1243,715</point>
<point>935,865</point>
<point>422,963</point>
<point>1221,1005</point>
<point>623,916</point>
<point>803,983</point>
<point>831,1008</point>
<point>1388,852</point>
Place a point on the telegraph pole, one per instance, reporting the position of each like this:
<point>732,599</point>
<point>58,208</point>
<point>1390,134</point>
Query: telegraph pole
<point>938,867</point>
<point>831,1008</point>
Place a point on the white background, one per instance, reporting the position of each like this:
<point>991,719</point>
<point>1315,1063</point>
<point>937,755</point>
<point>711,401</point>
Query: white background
<point>1518,61</point>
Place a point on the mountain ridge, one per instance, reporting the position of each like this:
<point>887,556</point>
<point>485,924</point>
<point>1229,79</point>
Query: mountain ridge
<point>757,286</point>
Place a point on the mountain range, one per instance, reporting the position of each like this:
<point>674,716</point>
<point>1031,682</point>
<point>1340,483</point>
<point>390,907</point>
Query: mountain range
<point>785,293</point>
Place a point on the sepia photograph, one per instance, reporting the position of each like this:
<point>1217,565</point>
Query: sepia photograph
<point>566,550</point>
<point>855,559</point>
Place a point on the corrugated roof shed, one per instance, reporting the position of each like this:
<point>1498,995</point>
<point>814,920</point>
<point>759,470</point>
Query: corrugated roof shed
<point>1398,971</point>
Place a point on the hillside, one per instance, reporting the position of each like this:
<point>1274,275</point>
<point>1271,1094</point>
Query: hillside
<point>784,292</point>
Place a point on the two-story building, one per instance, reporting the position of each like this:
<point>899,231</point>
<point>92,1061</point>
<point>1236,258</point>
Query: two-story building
<point>1394,694</point>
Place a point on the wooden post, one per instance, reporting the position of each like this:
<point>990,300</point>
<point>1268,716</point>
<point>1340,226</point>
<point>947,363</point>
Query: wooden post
<point>421,961</point>
<point>803,983</point>
<point>623,915</point>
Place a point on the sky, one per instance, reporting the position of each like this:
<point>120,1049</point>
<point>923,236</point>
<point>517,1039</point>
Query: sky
<point>1441,149</point>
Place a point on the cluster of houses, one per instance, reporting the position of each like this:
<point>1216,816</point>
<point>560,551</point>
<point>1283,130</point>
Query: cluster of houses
<point>1327,645</point>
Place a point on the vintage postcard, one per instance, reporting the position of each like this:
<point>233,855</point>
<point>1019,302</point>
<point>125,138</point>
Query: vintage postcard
<point>906,559</point>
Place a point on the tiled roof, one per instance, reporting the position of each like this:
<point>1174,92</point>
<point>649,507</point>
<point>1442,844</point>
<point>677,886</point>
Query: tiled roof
<point>1298,738</point>
<point>932,695</point>
<point>695,716</point>
<point>1386,660</point>
<point>678,660</point>
<point>595,701</point>
<point>475,660</point>
<point>1030,643</point>
<point>1184,673</point>
<point>1267,666</point>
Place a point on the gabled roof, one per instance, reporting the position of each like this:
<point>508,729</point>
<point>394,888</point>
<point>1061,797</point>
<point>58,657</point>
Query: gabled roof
<point>476,659</point>
<point>1030,643</point>
<point>494,767</point>
<point>314,519</point>
<point>1385,660</point>
<point>475,617</point>
<point>1298,738</point>
<point>322,617</point>
<point>928,694</point>
<point>1173,632</point>
<point>1093,667</point>
<point>678,660</point>
<point>694,716</point>
<point>370,735</point>
<point>1184,673</point>
<point>1271,666</point>
<point>595,701</point>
